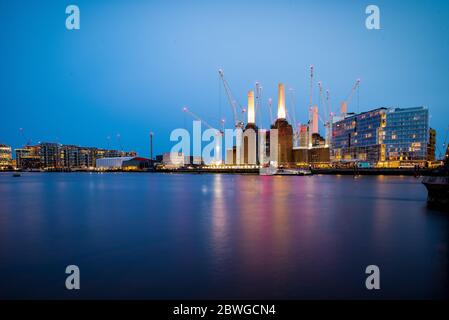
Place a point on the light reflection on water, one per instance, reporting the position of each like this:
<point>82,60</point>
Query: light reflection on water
<point>219,236</point>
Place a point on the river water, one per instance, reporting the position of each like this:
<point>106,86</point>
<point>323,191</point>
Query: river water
<point>159,236</point>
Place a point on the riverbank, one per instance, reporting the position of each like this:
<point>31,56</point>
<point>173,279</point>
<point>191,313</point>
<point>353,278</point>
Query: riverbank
<point>255,171</point>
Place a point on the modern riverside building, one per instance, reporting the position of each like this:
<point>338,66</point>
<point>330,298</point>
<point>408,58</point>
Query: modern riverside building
<point>111,163</point>
<point>69,156</point>
<point>358,137</point>
<point>406,134</point>
<point>49,153</point>
<point>383,137</point>
<point>5,156</point>
<point>137,164</point>
<point>28,157</point>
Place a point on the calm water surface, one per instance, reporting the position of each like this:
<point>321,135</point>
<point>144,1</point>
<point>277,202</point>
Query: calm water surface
<point>219,236</point>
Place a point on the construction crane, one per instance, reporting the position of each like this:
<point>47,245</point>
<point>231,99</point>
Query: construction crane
<point>291,116</point>
<point>344,104</point>
<point>258,103</point>
<point>330,119</point>
<point>119,141</point>
<point>321,103</point>
<point>217,160</point>
<point>445,146</point>
<point>325,121</point>
<point>270,110</point>
<point>310,107</point>
<point>311,86</point>
<point>234,104</point>
<point>193,115</point>
<point>328,104</point>
<point>291,93</point>
<point>28,141</point>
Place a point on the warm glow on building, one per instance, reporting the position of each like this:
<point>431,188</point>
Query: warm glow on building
<point>281,101</point>
<point>315,119</point>
<point>251,114</point>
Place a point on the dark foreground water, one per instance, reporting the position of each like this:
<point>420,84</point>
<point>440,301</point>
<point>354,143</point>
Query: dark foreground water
<point>219,236</point>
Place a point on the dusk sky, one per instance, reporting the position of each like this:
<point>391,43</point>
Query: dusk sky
<point>133,65</point>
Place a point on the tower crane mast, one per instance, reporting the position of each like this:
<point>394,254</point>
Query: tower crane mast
<point>193,115</point>
<point>258,103</point>
<point>270,101</point>
<point>232,101</point>
<point>310,108</point>
<point>344,104</point>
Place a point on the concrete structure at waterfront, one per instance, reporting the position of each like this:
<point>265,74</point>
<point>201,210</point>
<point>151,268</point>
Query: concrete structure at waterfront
<point>383,137</point>
<point>173,159</point>
<point>250,148</point>
<point>111,163</point>
<point>137,164</point>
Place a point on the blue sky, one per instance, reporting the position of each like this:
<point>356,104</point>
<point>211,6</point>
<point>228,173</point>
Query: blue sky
<point>134,64</point>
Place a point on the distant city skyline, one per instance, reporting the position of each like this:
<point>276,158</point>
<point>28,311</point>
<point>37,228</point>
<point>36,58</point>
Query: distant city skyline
<point>133,65</point>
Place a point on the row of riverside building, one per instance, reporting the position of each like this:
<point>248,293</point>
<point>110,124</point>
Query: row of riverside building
<point>383,137</point>
<point>56,156</point>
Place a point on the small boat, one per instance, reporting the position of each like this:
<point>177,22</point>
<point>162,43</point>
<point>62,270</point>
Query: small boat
<point>274,171</point>
<point>437,191</point>
<point>438,187</point>
<point>16,174</point>
<point>293,172</point>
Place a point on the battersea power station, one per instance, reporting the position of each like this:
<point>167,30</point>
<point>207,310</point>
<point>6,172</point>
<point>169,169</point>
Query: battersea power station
<point>289,147</point>
<point>385,137</point>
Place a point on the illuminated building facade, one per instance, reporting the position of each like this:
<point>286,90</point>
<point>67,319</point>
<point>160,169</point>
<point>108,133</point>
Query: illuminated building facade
<point>69,156</point>
<point>382,137</point>
<point>5,156</point>
<point>49,153</point>
<point>431,145</point>
<point>406,134</point>
<point>115,163</point>
<point>57,156</point>
<point>304,136</point>
<point>285,131</point>
<point>358,137</point>
<point>250,139</point>
<point>28,157</point>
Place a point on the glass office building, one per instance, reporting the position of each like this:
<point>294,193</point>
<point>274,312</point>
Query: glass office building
<point>5,156</point>
<point>388,137</point>
<point>357,138</point>
<point>406,134</point>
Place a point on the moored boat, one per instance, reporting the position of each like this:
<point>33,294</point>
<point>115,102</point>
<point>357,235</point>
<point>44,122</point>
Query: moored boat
<point>275,171</point>
<point>437,191</point>
<point>438,187</point>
